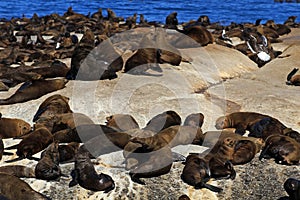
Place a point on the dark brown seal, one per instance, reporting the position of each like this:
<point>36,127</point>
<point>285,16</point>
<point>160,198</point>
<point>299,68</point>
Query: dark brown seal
<point>55,104</point>
<point>184,197</point>
<point>67,152</point>
<point>12,127</point>
<point>34,90</point>
<point>197,173</point>
<point>162,121</point>
<point>33,143</point>
<point>48,166</point>
<point>1,148</point>
<point>241,121</point>
<point>282,148</point>
<point>18,171</point>
<point>121,122</point>
<point>12,187</point>
<point>292,187</point>
<point>85,175</point>
<point>293,79</point>
<point>194,119</point>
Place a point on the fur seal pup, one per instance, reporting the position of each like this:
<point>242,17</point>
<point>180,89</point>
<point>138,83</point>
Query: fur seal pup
<point>18,171</point>
<point>48,166</point>
<point>293,79</point>
<point>196,172</point>
<point>292,187</point>
<point>12,187</point>
<point>54,69</point>
<point>33,143</point>
<point>162,121</point>
<point>34,90</point>
<point>13,127</point>
<point>85,175</point>
<point>282,148</point>
<point>67,152</point>
<point>241,121</point>
<point>55,104</point>
<point>121,122</point>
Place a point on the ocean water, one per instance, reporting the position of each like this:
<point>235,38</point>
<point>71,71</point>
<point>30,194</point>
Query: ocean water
<point>223,11</point>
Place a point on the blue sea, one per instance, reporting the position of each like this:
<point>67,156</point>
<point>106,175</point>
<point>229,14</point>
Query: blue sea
<point>223,11</point>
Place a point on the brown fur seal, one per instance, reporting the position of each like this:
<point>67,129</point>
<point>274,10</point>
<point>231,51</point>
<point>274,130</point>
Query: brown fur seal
<point>55,69</point>
<point>33,143</point>
<point>12,187</point>
<point>198,33</point>
<point>34,90</point>
<point>67,152</point>
<point>48,166</point>
<point>241,121</point>
<point>196,172</point>
<point>282,148</point>
<point>184,197</point>
<point>55,104</point>
<point>266,127</point>
<point>292,187</point>
<point>81,51</point>
<point>293,79</point>
<point>171,20</point>
<point>85,175</point>
<point>121,122</point>
<point>63,121</point>
<point>18,171</point>
<point>11,127</point>
<point>195,119</point>
<point>162,121</point>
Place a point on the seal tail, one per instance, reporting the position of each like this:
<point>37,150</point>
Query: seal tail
<point>291,74</point>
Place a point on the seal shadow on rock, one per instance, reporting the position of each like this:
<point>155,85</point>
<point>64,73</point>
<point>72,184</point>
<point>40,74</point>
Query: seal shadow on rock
<point>85,175</point>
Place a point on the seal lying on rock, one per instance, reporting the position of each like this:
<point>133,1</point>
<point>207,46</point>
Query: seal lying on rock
<point>18,171</point>
<point>85,175</point>
<point>293,79</point>
<point>282,148</point>
<point>55,104</point>
<point>34,90</point>
<point>48,166</point>
<point>12,127</point>
<point>12,187</point>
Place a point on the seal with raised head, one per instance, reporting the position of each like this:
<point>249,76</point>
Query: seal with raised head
<point>18,171</point>
<point>34,90</point>
<point>48,166</point>
<point>85,175</point>
<point>12,187</point>
<point>13,127</point>
<point>55,104</point>
<point>283,149</point>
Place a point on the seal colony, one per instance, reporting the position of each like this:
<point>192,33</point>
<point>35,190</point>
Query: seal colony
<point>54,120</point>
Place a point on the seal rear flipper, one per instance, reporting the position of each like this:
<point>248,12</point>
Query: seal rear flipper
<point>38,113</point>
<point>212,188</point>
<point>12,147</point>
<point>110,188</point>
<point>136,179</point>
<point>74,174</point>
<point>292,73</point>
<point>177,157</point>
<point>8,153</point>
<point>263,153</point>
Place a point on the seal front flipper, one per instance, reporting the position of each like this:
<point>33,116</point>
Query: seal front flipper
<point>290,75</point>
<point>74,174</point>
<point>136,179</point>
<point>264,154</point>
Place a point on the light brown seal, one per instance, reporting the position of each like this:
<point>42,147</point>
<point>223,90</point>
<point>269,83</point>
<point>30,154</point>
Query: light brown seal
<point>48,166</point>
<point>12,127</point>
<point>55,104</point>
<point>85,175</point>
<point>34,90</point>
<point>121,122</point>
<point>12,187</point>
